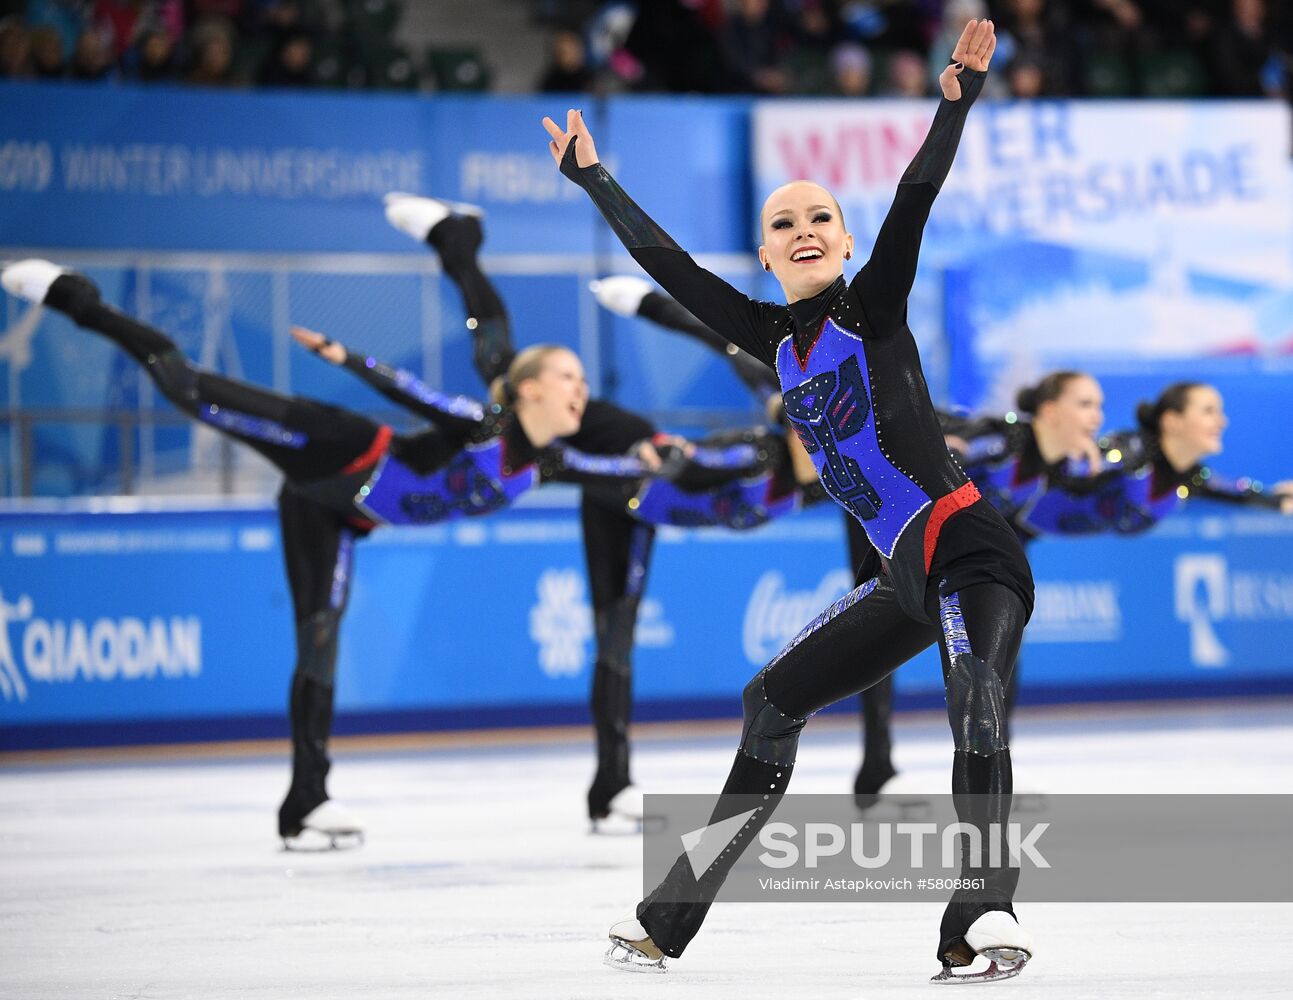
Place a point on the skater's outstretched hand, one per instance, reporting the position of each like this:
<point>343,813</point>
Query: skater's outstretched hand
<point>1090,451</point>
<point>973,51</point>
<point>328,350</point>
<point>1284,490</point>
<point>585,151</point>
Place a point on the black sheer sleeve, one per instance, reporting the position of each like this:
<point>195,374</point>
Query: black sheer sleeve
<point>458,413</point>
<point>714,302</point>
<point>885,281</point>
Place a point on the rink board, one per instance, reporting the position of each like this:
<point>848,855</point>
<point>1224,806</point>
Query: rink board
<point>176,624</point>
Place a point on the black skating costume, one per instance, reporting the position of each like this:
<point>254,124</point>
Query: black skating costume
<point>947,568</point>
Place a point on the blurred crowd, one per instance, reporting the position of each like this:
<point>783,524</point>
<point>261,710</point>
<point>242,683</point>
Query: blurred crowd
<point>212,43</point>
<point>1099,48</point>
<point>897,48</point>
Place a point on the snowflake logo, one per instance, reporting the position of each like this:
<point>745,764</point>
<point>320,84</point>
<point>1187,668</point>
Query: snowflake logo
<point>561,623</point>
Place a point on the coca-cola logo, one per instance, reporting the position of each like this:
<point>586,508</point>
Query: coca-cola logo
<point>775,615</point>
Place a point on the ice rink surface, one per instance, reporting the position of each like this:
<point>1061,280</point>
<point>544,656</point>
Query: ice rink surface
<point>161,878</point>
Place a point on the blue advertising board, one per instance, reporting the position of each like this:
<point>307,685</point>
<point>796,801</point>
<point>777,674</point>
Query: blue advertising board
<point>125,627</point>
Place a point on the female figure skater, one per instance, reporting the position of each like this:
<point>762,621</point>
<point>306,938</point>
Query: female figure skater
<point>946,564</point>
<point>1150,472</point>
<point>345,475</point>
<point>734,479</point>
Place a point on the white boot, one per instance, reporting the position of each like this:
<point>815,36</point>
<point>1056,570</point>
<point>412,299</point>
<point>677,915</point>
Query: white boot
<point>417,216</point>
<point>30,279</point>
<point>328,826</point>
<point>998,937</point>
<point>632,949</point>
<point>621,293</point>
<point>998,931</point>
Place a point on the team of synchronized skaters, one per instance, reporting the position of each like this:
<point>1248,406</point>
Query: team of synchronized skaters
<point>939,508</point>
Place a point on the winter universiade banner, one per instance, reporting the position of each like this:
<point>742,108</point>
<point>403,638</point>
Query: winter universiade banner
<point>1106,235</point>
<point>175,625</point>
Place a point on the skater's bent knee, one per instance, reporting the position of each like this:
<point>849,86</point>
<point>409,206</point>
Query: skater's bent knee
<point>976,706</point>
<point>771,735</point>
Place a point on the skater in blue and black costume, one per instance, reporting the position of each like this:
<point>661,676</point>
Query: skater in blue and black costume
<point>346,475</point>
<point>946,567</point>
<point>1150,472</point>
<point>734,479</point>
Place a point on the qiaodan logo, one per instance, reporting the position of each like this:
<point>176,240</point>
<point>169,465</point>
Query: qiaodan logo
<point>36,650</point>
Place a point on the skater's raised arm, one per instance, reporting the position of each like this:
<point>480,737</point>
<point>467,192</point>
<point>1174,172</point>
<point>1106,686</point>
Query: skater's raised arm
<point>457,413</point>
<point>711,299</point>
<point>885,281</point>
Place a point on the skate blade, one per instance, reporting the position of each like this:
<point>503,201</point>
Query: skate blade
<point>616,825</point>
<point>1003,963</point>
<point>310,841</point>
<point>626,957</point>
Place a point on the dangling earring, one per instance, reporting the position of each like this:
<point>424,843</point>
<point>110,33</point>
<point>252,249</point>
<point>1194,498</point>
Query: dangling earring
<point>848,254</point>
<point>767,266</point>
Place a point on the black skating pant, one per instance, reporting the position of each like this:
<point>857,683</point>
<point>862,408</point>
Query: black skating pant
<point>875,704</point>
<point>305,440</point>
<point>618,552</point>
<point>862,644</point>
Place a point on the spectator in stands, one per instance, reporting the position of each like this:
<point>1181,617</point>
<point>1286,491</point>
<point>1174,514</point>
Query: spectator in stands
<point>92,58</point>
<point>15,50</point>
<point>814,31</point>
<point>1026,78</point>
<point>291,62</point>
<point>851,70</point>
<point>124,21</point>
<point>47,54</point>
<point>906,75</point>
<point>1037,36</point>
<point>65,16</point>
<point>152,59</point>
<point>676,48</point>
<point>1245,63</point>
<point>753,41</point>
<point>212,42</point>
<point>567,68</point>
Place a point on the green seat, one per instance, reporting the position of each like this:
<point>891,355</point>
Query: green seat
<point>1108,75</point>
<point>458,69</point>
<point>332,66</point>
<point>391,69</point>
<point>1174,73</point>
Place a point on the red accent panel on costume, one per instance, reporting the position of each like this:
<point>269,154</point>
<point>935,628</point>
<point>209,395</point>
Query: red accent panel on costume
<point>381,441</point>
<point>945,507</point>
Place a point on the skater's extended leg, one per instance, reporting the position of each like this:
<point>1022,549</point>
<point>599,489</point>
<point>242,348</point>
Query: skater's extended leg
<point>305,439</point>
<point>618,552</point>
<point>454,231</point>
<point>856,641</point>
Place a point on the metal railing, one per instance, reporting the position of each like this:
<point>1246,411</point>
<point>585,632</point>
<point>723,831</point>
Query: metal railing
<point>22,422</point>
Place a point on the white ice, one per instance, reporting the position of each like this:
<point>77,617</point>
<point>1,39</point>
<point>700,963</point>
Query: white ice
<point>160,878</point>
